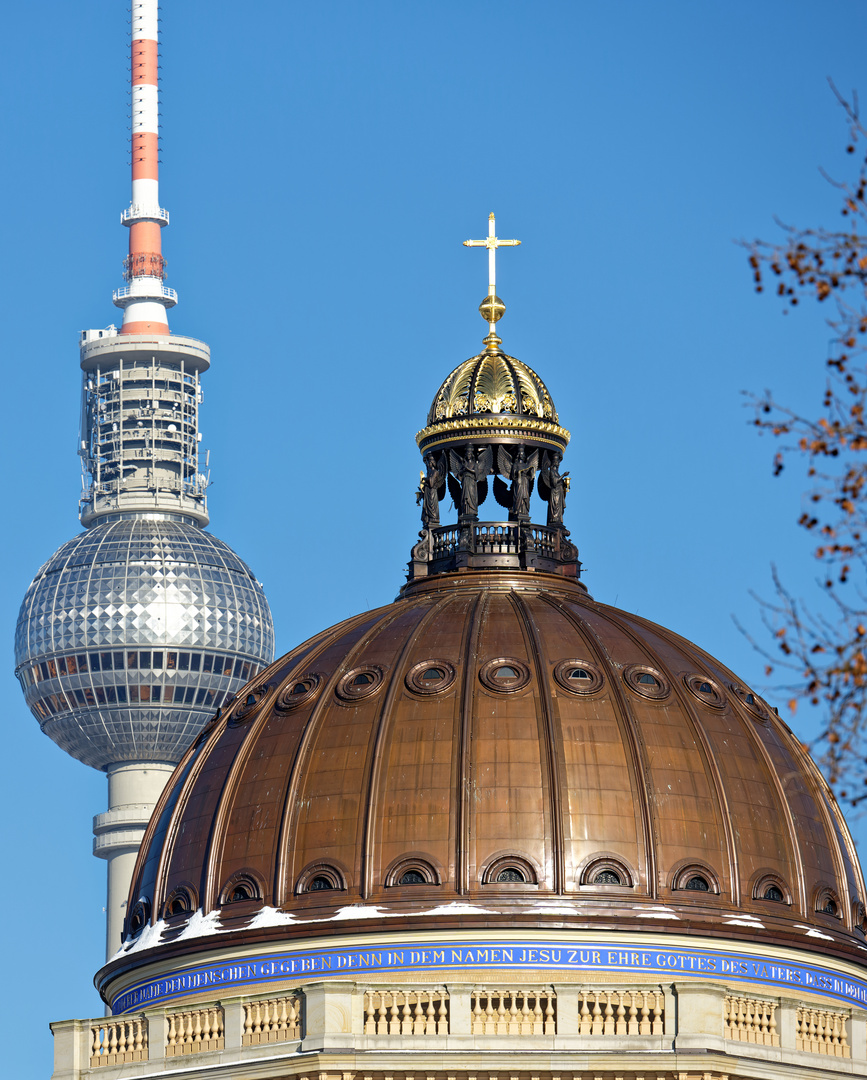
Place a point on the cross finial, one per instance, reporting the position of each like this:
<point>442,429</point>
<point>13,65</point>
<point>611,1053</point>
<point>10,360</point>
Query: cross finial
<point>492,242</point>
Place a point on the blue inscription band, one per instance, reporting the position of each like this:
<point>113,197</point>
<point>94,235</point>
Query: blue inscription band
<point>539,955</point>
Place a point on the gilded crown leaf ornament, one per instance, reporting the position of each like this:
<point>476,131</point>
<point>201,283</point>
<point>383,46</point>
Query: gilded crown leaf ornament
<point>493,416</point>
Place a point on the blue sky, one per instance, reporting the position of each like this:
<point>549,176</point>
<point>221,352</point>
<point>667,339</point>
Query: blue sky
<point>322,163</point>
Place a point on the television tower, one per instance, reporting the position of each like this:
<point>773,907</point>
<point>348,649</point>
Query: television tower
<point>136,630</point>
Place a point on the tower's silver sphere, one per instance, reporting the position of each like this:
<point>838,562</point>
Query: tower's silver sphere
<point>133,634</point>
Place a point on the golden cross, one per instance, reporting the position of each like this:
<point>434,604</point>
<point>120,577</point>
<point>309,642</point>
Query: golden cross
<point>492,242</point>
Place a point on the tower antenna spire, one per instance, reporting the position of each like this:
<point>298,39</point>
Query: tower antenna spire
<point>145,299</point>
<point>492,308</point>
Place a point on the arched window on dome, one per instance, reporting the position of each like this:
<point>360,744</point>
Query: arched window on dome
<point>695,878</point>
<point>828,903</point>
<point>181,901</point>
<point>607,871</point>
<point>411,872</point>
<point>510,870</point>
<point>242,887</point>
<point>772,888</point>
<point>412,877</point>
<point>138,917</point>
<point>320,878</point>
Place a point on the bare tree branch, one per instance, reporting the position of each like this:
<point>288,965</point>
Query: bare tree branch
<point>827,657</point>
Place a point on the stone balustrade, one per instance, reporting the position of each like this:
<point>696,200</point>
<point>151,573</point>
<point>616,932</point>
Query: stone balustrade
<point>194,1032</point>
<point>751,1020</point>
<point>114,1042</point>
<point>823,1031</point>
<point>342,1016</point>
<point>271,1020</point>
<point>406,1012</point>
<point>514,1012</point>
<point>622,1012</point>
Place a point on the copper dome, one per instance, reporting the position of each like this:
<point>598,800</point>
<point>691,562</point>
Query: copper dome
<point>497,748</point>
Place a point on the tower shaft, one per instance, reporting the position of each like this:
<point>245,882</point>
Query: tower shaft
<point>138,629</point>
<point>133,790</point>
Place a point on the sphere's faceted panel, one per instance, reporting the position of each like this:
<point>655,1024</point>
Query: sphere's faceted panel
<point>653,771</point>
<point>133,633</point>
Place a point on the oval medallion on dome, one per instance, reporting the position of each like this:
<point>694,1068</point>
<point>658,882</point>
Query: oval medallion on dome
<point>360,682</point>
<point>299,690</point>
<point>579,676</point>
<point>430,676</point>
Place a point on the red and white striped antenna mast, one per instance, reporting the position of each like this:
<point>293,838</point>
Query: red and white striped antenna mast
<point>145,299</point>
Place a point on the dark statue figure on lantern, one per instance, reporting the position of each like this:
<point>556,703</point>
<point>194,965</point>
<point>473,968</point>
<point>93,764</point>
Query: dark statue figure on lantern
<point>470,472</point>
<point>557,484</point>
<point>431,489</point>
<point>520,470</point>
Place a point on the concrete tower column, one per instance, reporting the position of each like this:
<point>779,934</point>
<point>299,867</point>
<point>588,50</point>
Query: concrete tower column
<point>133,791</point>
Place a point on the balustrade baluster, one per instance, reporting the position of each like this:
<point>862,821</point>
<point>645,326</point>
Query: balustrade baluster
<point>608,1023</point>
<point>824,1026</point>
<point>405,1016</point>
<point>657,1026</point>
<point>550,1019</point>
<point>620,1022</point>
<point>632,1025</point>
<point>442,1015</point>
<point>514,1026</point>
<point>644,1023</point>
<point>584,1013</point>
<point>502,1026</point>
<point>538,1022</point>
<point>596,1029</point>
<point>525,1025</point>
